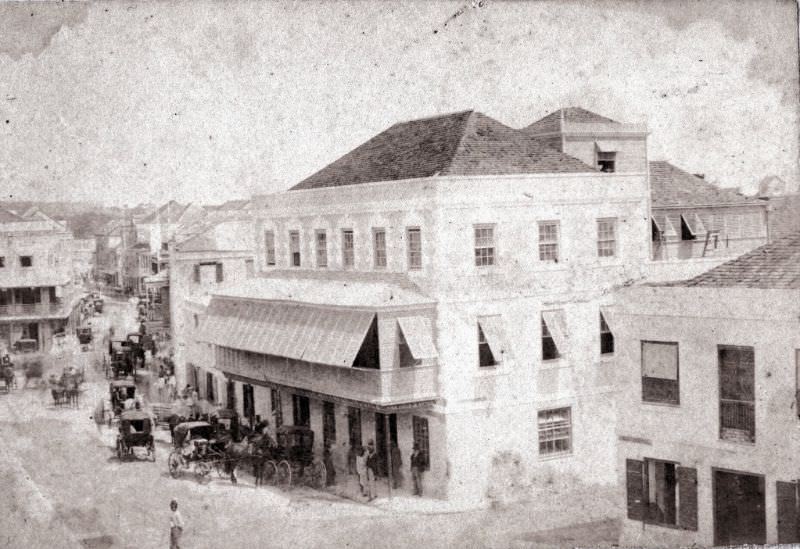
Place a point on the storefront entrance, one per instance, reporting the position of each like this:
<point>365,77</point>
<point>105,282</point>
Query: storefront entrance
<point>739,513</point>
<point>380,440</point>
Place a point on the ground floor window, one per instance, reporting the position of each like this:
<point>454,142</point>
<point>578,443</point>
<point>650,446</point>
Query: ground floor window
<point>210,387</point>
<point>248,402</point>
<point>662,492</point>
<point>301,409</point>
<point>555,432</point>
<point>739,508</point>
<point>422,438</point>
<point>230,395</point>
<point>277,407</point>
<point>788,511</point>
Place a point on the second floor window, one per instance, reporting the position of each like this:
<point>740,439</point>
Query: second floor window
<point>414,247</point>
<point>269,247</point>
<point>555,432</point>
<point>660,372</point>
<point>294,248</point>
<point>26,261</point>
<point>348,248</point>
<point>606,237</point>
<point>379,243</point>
<point>322,248</point>
<point>737,402</point>
<point>484,245</point>
<point>548,241</point>
<point>606,337</point>
<point>607,161</point>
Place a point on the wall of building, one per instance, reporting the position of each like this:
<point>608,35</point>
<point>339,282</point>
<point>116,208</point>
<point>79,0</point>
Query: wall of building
<point>700,319</point>
<point>631,151</point>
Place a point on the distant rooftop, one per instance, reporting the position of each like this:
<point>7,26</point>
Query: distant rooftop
<point>552,122</point>
<point>772,266</point>
<point>671,186</point>
<point>8,217</point>
<point>168,213</point>
<point>464,143</point>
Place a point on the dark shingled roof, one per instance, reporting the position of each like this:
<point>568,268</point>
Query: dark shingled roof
<point>550,123</point>
<point>670,186</point>
<point>772,266</point>
<point>464,143</point>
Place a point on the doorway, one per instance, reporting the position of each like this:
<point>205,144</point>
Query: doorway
<point>380,440</point>
<point>739,512</point>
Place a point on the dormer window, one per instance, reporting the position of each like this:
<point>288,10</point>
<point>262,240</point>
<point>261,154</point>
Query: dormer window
<point>606,161</point>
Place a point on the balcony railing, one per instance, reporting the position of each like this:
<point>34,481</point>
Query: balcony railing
<point>384,387</point>
<point>737,420</point>
<point>19,309</point>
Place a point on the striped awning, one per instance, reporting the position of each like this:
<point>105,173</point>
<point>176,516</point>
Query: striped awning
<point>291,330</point>
<point>419,336</point>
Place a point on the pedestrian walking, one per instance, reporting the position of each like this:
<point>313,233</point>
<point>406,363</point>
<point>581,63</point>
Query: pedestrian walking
<point>417,466</point>
<point>161,386</point>
<point>372,468</point>
<point>172,387</point>
<point>176,526</point>
<point>361,468</point>
<point>99,415</point>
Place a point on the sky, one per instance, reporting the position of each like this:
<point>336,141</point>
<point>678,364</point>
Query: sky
<point>123,103</point>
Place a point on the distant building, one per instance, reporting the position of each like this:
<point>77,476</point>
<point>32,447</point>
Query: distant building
<point>38,296</point>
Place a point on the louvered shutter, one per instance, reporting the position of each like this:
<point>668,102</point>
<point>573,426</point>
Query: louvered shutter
<point>687,490</point>
<point>787,512</point>
<point>197,274</point>
<point>634,472</point>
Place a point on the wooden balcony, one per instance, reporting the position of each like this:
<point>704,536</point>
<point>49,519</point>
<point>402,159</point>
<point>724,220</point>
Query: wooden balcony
<point>372,386</point>
<point>31,309</point>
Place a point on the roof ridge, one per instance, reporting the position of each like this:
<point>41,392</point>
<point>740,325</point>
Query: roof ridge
<point>457,148</point>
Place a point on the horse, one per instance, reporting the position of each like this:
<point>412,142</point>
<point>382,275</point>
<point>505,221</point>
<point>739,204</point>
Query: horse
<point>261,447</point>
<point>234,453</point>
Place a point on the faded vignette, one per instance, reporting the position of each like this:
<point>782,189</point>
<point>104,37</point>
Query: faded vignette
<point>493,242</point>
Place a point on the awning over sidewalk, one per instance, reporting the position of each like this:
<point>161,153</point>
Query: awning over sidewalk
<point>297,331</point>
<point>418,333</point>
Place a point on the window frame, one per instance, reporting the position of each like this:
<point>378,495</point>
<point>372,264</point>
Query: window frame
<point>606,159</point>
<point>379,256</point>
<point>676,381</point>
<point>606,332</point>
<point>269,247</point>
<point>414,249</point>
<point>485,349</point>
<point>2,261</point>
<point>602,242</point>
<point>749,405</point>
<point>549,247</point>
<point>348,251</point>
<point>545,428</point>
<point>295,255</point>
<point>321,248</point>
<point>485,249</point>
<point>545,335</point>
<point>22,260</point>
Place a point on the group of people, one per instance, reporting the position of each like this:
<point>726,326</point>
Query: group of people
<point>367,464</point>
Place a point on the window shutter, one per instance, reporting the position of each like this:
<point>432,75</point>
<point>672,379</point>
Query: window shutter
<point>219,272</point>
<point>787,512</point>
<point>197,274</point>
<point>687,490</point>
<point>635,483</point>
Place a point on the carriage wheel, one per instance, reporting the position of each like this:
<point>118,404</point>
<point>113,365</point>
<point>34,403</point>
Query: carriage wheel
<point>202,469</point>
<point>174,464</point>
<point>284,475</point>
<point>317,475</point>
<point>270,472</point>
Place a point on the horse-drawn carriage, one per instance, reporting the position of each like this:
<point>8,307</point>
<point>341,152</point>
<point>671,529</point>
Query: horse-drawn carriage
<point>135,431</point>
<point>85,335</point>
<point>66,388</point>
<point>120,391</point>
<point>121,359</point>
<point>291,459</point>
<point>198,446</point>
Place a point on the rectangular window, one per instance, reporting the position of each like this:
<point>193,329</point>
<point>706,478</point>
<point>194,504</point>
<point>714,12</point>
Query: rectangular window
<point>269,246</point>
<point>422,439</point>
<point>2,261</point>
<point>549,347</point>
<point>249,268</point>
<point>348,248</point>
<point>484,245</point>
<point>379,247</point>
<point>485,355</point>
<point>737,406</point>
<point>328,423</point>
<point>301,410</point>
<point>548,241</point>
<point>165,246</point>
<point>555,432</point>
<point>277,407</point>
<point>196,274</point>
<point>606,161</point>
<point>660,380</point>
<point>606,237</point>
<point>248,402</point>
<point>26,261</point>
<point>294,248</point>
<point>661,498</point>
<point>218,273</point>
<point>210,387</point>
<point>414,247</point>
<point>606,337</point>
<point>321,238</point>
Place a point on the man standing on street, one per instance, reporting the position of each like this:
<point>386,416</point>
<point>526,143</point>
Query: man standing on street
<point>417,466</point>
<point>372,468</point>
<point>175,526</point>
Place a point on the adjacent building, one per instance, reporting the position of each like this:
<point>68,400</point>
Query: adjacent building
<point>38,296</point>
<point>708,406</point>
